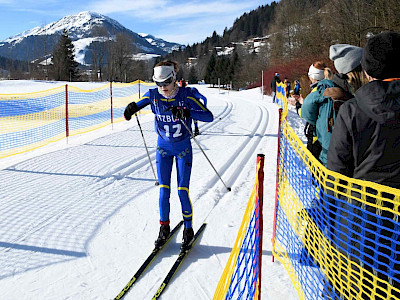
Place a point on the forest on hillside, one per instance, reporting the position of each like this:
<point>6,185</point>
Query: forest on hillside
<point>298,32</point>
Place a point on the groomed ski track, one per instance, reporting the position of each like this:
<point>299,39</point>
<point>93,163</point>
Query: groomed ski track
<point>77,222</point>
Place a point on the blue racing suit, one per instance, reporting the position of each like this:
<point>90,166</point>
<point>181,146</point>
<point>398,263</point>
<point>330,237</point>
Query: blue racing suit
<point>174,142</point>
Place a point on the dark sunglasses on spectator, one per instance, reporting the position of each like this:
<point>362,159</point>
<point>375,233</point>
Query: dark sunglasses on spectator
<point>166,82</point>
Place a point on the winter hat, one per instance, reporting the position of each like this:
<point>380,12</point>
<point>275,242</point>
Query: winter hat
<point>345,57</point>
<point>162,73</point>
<point>381,55</point>
<point>315,73</point>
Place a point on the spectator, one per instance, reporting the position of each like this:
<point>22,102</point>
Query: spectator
<point>347,61</point>
<point>274,82</point>
<point>318,74</point>
<point>366,140</point>
<point>296,95</point>
<point>288,85</point>
<point>365,144</point>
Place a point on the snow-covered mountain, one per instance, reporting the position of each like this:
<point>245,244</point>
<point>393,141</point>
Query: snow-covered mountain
<point>85,29</point>
<point>160,43</point>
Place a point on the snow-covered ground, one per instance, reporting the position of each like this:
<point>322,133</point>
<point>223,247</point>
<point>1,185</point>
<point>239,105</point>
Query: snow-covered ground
<point>77,219</point>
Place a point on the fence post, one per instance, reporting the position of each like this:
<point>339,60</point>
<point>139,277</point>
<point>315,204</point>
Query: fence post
<point>277,182</point>
<point>111,105</point>
<point>66,113</point>
<point>262,85</point>
<point>260,160</point>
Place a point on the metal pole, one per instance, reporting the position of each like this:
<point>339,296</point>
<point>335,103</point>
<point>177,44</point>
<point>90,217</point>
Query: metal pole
<point>277,182</point>
<point>198,144</point>
<point>262,85</point>
<point>260,160</point>
<point>66,113</point>
<point>111,106</point>
<point>148,155</point>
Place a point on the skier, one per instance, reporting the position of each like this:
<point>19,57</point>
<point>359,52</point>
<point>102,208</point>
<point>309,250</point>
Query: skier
<point>172,105</point>
<point>183,83</point>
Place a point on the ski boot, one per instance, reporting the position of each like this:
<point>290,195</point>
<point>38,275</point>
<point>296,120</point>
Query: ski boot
<point>162,236</point>
<point>196,131</point>
<point>188,235</point>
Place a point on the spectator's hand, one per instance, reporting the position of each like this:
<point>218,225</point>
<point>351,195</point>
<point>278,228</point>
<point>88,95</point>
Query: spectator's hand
<point>299,98</point>
<point>130,110</point>
<point>180,112</point>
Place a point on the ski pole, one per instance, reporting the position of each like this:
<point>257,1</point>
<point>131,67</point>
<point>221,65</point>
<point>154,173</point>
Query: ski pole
<point>148,155</point>
<point>198,144</point>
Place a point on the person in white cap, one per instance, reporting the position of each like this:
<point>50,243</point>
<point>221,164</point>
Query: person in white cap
<point>172,106</point>
<point>318,73</point>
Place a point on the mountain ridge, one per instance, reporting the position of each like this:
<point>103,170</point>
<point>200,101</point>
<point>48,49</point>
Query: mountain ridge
<point>39,42</point>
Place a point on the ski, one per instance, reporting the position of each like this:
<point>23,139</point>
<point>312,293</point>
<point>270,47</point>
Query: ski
<point>146,263</point>
<point>177,263</point>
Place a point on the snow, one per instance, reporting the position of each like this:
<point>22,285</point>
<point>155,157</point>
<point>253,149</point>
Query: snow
<point>78,218</point>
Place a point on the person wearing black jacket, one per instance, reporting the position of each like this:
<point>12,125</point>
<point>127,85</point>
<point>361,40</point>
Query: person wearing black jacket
<point>274,82</point>
<point>365,144</point>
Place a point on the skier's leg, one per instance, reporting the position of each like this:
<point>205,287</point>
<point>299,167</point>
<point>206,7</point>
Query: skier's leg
<point>196,128</point>
<point>183,169</point>
<point>164,168</point>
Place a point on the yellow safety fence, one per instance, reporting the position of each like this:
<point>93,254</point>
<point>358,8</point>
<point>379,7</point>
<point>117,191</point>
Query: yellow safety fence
<point>338,237</point>
<point>32,120</point>
<point>240,278</point>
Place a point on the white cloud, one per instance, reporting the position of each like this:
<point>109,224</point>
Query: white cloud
<point>183,22</point>
<point>166,9</point>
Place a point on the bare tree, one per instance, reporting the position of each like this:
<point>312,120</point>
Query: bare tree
<point>98,52</point>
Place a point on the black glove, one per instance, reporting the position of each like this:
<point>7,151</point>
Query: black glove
<point>180,112</point>
<point>130,110</point>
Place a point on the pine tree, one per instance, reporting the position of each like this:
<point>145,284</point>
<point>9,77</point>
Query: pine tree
<point>210,72</point>
<point>64,66</point>
<point>192,75</point>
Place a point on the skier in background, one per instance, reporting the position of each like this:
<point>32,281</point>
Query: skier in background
<point>198,96</point>
<point>183,83</point>
<point>172,105</point>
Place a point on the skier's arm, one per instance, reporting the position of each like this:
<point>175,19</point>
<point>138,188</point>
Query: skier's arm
<point>198,111</point>
<point>197,95</point>
<point>134,107</point>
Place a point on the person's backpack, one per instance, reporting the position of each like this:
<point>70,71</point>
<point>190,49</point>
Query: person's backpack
<point>335,96</point>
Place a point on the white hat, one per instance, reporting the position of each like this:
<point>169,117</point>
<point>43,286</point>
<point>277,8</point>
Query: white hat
<point>162,73</point>
<point>315,73</point>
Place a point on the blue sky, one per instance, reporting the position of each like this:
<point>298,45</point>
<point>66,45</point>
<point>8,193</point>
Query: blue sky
<point>184,22</point>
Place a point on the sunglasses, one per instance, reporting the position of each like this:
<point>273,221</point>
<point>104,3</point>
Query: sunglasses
<point>166,82</point>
